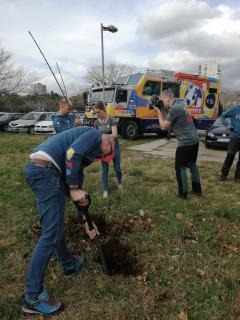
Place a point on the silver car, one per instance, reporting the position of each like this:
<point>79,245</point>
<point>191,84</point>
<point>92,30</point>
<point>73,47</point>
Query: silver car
<point>45,126</point>
<point>27,122</point>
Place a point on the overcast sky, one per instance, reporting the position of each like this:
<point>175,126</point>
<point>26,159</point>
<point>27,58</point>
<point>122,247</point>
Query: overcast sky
<point>174,35</point>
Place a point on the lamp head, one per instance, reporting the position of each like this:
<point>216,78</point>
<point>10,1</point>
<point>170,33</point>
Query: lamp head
<point>110,28</point>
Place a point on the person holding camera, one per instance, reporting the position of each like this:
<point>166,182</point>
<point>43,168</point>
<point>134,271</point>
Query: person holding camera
<point>234,144</point>
<point>181,122</point>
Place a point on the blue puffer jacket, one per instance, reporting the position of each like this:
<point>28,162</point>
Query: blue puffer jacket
<point>62,123</point>
<point>233,114</point>
<point>73,150</point>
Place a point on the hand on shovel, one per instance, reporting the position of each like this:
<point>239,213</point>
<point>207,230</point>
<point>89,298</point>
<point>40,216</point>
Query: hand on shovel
<point>93,232</point>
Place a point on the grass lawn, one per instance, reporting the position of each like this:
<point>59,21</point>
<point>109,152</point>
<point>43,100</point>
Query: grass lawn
<point>182,256</point>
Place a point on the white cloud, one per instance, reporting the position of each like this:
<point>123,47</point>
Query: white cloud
<point>176,60</point>
<point>173,34</point>
<point>173,17</point>
<point>193,32</point>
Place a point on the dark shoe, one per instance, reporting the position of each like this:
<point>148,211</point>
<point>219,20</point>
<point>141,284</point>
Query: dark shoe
<point>222,177</point>
<point>199,194</point>
<point>43,304</point>
<point>75,267</point>
<point>182,195</point>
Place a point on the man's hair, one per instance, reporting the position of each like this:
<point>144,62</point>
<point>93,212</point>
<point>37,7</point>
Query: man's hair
<point>167,94</point>
<point>63,101</point>
<point>99,105</point>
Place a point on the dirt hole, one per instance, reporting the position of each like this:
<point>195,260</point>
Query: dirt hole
<point>120,258</point>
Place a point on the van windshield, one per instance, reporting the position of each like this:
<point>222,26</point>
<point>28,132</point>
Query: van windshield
<point>129,80</point>
<point>97,95</point>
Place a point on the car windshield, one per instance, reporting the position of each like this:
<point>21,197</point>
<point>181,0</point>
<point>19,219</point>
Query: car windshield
<point>218,122</point>
<point>31,116</point>
<point>49,116</point>
<point>4,117</point>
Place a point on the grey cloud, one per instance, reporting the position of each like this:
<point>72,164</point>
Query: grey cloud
<point>174,17</point>
<point>204,45</point>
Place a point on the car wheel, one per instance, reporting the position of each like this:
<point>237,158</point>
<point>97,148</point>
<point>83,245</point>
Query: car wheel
<point>31,130</point>
<point>5,127</point>
<point>207,145</point>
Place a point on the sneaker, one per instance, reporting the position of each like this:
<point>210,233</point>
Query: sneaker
<point>222,177</point>
<point>43,304</point>
<point>199,194</point>
<point>105,194</point>
<point>182,196</point>
<point>74,268</point>
<point>120,186</point>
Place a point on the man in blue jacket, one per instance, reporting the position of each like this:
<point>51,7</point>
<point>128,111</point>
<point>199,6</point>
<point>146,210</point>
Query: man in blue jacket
<point>234,144</point>
<point>64,120</point>
<point>54,166</point>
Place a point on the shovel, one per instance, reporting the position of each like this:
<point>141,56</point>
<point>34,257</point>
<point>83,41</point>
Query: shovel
<point>98,252</point>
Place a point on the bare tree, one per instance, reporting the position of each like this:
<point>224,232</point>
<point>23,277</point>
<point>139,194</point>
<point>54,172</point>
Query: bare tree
<point>14,79</point>
<point>112,72</point>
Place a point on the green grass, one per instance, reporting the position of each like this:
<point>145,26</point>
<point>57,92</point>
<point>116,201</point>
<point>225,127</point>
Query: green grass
<point>200,277</point>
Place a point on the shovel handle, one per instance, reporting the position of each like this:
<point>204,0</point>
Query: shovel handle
<point>84,211</point>
<point>89,221</point>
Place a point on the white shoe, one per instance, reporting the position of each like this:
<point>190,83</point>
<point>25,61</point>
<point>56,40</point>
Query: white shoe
<point>120,186</point>
<point>105,194</point>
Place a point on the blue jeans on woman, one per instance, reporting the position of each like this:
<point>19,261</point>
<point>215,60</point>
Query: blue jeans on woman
<point>49,190</point>
<point>117,168</point>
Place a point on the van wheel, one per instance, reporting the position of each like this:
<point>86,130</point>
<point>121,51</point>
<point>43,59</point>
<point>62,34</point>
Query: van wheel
<point>129,130</point>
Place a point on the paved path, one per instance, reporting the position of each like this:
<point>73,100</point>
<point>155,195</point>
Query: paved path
<point>166,149</point>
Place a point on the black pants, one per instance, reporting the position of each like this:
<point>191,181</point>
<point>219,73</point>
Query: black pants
<point>233,148</point>
<point>186,157</point>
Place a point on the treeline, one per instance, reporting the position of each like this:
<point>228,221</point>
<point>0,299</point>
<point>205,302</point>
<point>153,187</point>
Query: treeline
<point>13,102</point>
<point>16,89</point>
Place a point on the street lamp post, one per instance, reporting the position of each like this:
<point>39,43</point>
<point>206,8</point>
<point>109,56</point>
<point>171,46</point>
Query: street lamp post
<point>112,29</point>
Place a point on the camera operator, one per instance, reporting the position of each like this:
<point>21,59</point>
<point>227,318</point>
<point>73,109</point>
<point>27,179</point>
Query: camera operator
<point>181,122</point>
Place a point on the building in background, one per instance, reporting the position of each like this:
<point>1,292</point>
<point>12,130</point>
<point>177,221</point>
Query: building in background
<point>39,88</point>
<point>210,69</point>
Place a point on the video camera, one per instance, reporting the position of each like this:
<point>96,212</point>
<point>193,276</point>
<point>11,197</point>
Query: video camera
<point>156,102</point>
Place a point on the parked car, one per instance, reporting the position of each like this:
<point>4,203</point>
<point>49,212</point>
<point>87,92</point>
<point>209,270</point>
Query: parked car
<point>27,122</point>
<point>217,135</point>
<point>45,126</point>
<point>8,117</point>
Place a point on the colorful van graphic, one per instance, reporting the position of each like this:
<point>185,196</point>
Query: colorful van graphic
<point>132,94</point>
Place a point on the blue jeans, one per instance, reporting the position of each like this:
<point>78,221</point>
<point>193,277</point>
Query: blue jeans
<point>117,168</point>
<point>49,190</point>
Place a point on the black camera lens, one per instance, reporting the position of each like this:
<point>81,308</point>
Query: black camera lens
<point>150,106</point>
<point>156,102</point>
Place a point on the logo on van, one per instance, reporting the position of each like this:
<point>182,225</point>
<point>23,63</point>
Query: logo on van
<point>120,108</point>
